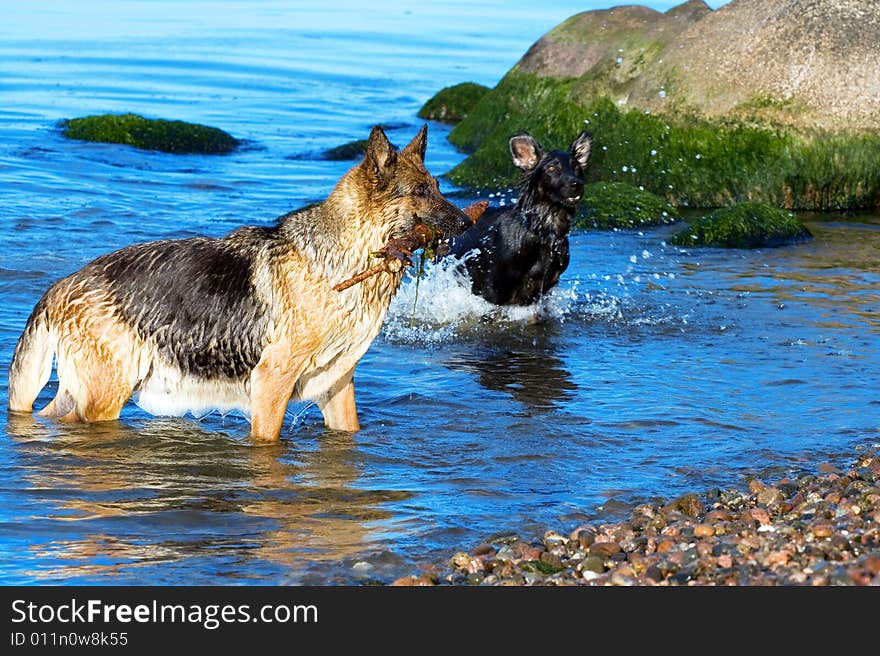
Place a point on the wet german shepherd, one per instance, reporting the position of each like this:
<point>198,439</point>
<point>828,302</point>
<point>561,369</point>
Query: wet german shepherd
<point>244,322</point>
<point>516,254</point>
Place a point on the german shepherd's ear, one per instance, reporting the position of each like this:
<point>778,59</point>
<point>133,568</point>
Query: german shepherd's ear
<point>381,155</point>
<point>582,147</point>
<point>525,151</point>
<point>419,144</point>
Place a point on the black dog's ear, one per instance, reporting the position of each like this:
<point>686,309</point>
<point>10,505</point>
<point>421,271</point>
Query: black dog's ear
<point>381,155</point>
<point>582,147</point>
<point>419,144</point>
<point>525,151</point>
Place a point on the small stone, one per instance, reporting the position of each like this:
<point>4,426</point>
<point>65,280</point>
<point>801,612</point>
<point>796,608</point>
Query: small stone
<point>532,554</point>
<point>755,486</point>
<point>725,561</point>
<point>770,496</point>
<point>822,530</point>
<point>592,564</point>
<point>474,578</point>
<point>704,531</point>
<point>484,550</point>
<point>665,546</point>
<point>553,561</point>
<point>405,581</point>
<point>872,564</point>
<point>604,549</point>
<point>828,468</point>
<point>689,504</point>
<point>461,560</point>
<point>775,558</point>
<point>759,515</point>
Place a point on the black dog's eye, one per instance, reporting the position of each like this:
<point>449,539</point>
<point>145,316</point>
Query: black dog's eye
<point>552,168</point>
<point>422,190</point>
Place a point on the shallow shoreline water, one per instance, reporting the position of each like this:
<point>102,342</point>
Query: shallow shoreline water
<point>817,528</point>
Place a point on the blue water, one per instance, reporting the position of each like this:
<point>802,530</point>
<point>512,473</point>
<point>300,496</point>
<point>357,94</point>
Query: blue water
<point>657,371</point>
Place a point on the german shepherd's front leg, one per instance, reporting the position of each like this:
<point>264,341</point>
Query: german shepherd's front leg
<point>272,382</point>
<point>338,407</point>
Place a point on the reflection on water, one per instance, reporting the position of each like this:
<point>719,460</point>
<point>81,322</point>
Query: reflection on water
<point>211,497</point>
<point>523,362</point>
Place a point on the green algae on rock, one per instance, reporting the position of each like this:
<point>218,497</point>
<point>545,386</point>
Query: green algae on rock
<point>697,162</point>
<point>347,151</point>
<point>609,205</point>
<point>667,129</point>
<point>176,137</point>
<point>453,104</point>
<point>745,225</point>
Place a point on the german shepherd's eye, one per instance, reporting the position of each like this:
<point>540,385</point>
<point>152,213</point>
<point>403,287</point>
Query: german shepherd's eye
<point>422,190</point>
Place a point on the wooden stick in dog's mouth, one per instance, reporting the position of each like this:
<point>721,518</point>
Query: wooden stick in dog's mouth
<point>400,249</point>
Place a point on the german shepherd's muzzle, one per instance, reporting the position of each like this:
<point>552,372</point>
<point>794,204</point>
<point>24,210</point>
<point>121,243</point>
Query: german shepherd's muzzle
<point>245,322</point>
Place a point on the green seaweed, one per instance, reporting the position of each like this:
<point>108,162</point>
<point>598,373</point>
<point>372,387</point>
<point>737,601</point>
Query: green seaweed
<point>540,567</point>
<point>609,205</point>
<point>689,161</point>
<point>744,225</point>
<point>347,151</point>
<point>176,137</point>
<point>453,104</point>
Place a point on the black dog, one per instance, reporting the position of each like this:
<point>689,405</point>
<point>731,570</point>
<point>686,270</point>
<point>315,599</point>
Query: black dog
<point>518,253</point>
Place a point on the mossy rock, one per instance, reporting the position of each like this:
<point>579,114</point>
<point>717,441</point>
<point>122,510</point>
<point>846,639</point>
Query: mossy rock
<point>453,104</point>
<point>609,205</point>
<point>745,225</point>
<point>176,137</point>
<point>347,151</point>
<point>691,162</point>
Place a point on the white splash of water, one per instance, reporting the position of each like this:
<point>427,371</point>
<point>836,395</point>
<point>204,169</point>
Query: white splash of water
<point>446,307</point>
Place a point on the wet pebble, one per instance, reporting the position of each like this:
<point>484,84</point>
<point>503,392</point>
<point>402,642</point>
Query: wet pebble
<point>816,529</point>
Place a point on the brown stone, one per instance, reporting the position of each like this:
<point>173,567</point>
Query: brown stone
<point>405,582</point>
<point>689,504</point>
<point>759,515</point>
<point>703,531</point>
<point>823,530</point>
<point>777,558</point>
<point>872,564</point>
<point>484,550</point>
<point>724,560</point>
<point>755,486</point>
<point>770,496</point>
<point>604,549</point>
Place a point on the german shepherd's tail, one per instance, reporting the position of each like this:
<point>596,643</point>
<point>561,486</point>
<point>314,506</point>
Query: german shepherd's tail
<point>32,361</point>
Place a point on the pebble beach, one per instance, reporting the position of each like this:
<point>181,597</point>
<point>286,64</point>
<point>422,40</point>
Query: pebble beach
<point>816,529</point>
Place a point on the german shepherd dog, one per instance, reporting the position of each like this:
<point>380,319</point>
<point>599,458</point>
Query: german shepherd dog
<point>516,254</point>
<point>245,322</point>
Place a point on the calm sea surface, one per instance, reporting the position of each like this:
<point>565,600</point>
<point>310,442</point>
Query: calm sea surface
<point>657,371</point>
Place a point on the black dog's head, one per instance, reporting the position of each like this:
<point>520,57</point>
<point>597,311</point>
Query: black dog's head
<point>556,177</point>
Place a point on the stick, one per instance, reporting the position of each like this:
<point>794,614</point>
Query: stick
<point>401,248</point>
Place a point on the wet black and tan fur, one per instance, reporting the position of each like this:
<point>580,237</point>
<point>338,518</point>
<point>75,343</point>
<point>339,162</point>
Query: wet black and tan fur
<point>245,322</point>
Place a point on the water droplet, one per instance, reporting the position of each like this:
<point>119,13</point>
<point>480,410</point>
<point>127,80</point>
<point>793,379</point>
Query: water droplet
<point>653,152</point>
